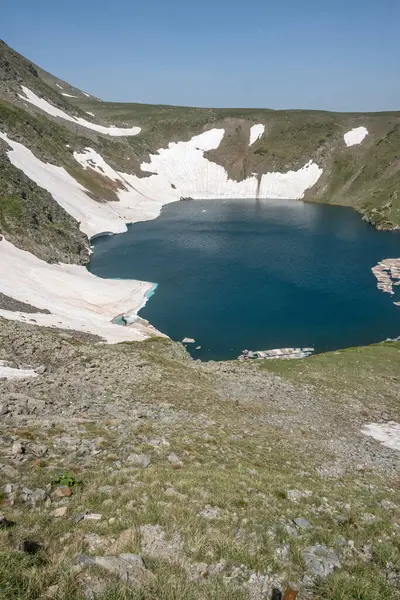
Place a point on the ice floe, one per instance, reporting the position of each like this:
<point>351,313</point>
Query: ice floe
<point>15,373</point>
<point>386,433</point>
<point>355,136</point>
<point>256,132</point>
<point>387,273</point>
<point>57,112</point>
<point>76,299</point>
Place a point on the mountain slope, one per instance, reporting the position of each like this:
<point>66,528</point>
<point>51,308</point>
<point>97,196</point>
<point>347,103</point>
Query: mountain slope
<point>129,471</point>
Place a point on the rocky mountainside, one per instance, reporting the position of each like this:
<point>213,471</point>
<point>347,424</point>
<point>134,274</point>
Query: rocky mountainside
<point>129,471</point>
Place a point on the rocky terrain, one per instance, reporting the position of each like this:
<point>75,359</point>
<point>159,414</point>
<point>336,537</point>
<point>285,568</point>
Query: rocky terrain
<point>132,471</point>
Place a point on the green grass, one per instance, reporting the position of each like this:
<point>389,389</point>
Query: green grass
<point>351,370</point>
<point>233,459</point>
<point>11,208</point>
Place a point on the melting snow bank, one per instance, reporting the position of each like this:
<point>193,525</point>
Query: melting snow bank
<point>256,132</point>
<point>15,373</point>
<point>386,433</point>
<point>77,299</point>
<point>57,112</point>
<point>355,136</point>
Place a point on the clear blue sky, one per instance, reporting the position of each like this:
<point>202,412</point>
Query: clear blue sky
<point>329,54</point>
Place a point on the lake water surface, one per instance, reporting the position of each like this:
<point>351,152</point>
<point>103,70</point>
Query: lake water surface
<point>257,274</point>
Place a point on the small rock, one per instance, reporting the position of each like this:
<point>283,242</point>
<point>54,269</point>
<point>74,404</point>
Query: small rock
<point>17,449</point>
<point>63,492</point>
<point>93,541</point>
<point>31,497</point>
<point>92,517</point>
<point>52,591</point>
<point>388,505</point>
<point>296,495</point>
<point>292,531</point>
<point>38,450</point>
<point>320,560</point>
<point>79,517</point>
<point>209,512</point>
<point>368,518</point>
<point>302,523</point>
<point>175,461</point>
<point>141,460</point>
<point>3,409</point>
<point>59,512</point>
<point>40,370</point>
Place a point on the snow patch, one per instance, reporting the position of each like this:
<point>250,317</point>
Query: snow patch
<point>59,86</point>
<point>68,95</point>
<point>355,136</point>
<point>184,164</point>
<point>13,373</point>
<point>89,113</point>
<point>89,158</point>
<point>256,132</point>
<point>386,433</point>
<point>87,95</point>
<point>77,299</point>
<point>57,112</point>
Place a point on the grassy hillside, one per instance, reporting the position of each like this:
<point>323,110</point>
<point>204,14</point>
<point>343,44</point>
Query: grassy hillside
<point>204,470</point>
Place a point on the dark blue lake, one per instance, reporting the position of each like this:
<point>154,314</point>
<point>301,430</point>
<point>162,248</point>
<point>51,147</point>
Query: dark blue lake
<point>257,274</point>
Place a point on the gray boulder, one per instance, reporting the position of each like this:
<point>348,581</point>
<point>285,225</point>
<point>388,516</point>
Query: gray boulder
<point>141,460</point>
<point>320,560</point>
<point>130,568</point>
